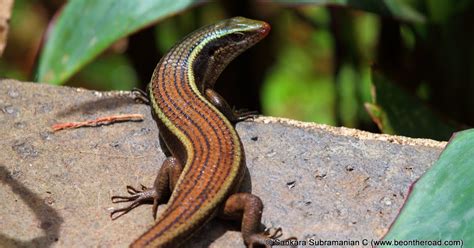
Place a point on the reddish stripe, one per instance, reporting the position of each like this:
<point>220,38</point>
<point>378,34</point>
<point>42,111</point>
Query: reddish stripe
<point>198,120</point>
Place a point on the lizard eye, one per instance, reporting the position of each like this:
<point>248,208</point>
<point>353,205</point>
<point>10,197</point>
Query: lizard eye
<point>236,37</point>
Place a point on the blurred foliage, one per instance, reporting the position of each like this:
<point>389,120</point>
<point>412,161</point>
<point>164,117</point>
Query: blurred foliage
<point>396,112</point>
<point>105,73</point>
<point>299,84</point>
<point>316,64</point>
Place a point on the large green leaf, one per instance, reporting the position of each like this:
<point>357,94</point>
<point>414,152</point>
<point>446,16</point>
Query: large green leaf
<point>397,112</point>
<point>391,8</point>
<point>85,28</point>
<point>441,204</point>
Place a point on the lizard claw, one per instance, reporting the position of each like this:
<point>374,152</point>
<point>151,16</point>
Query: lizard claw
<point>244,114</point>
<point>140,96</point>
<point>265,238</point>
<point>137,197</point>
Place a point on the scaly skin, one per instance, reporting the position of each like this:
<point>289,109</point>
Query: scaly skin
<point>206,161</point>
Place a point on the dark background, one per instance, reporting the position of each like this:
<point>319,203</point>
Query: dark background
<point>330,64</point>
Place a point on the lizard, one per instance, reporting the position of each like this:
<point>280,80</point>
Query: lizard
<point>205,163</point>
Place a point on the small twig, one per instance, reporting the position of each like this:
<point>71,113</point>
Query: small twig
<point>98,122</point>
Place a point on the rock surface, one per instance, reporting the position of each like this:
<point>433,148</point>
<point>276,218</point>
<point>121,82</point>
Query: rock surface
<point>317,182</point>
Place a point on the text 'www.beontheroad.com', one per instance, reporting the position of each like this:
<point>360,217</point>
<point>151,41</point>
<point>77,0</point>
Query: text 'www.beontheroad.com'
<point>367,242</point>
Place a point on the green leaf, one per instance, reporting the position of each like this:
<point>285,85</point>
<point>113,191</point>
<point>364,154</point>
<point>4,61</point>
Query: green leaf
<point>86,28</point>
<point>441,204</point>
<point>379,117</point>
<point>390,8</point>
<point>396,112</point>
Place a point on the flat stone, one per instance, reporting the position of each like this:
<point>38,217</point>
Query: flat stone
<point>317,182</point>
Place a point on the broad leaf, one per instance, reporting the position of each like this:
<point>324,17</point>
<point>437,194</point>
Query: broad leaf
<point>441,205</point>
<point>85,28</point>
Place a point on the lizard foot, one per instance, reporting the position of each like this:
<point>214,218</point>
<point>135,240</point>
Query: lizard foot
<point>140,96</point>
<point>137,197</point>
<point>244,114</point>
<point>265,239</point>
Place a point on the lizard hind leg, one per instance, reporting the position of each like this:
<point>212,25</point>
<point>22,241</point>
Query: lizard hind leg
<point>158,194</point>
<point>249,208</point>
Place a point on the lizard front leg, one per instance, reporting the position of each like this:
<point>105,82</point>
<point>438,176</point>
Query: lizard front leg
<point>232,115</point>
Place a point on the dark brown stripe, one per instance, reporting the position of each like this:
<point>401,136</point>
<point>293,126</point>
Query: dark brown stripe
<point>204,107</point>
<point>210,115</point>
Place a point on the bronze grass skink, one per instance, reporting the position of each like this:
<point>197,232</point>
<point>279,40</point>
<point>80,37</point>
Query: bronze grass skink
<point>205,159</point>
